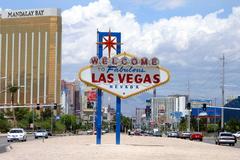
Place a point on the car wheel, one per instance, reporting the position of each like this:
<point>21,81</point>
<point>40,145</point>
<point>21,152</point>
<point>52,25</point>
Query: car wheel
<point>8,141</point>
<point>233,144</point>
<point>201,140</point>
<point>36,137</point>
<point>46,137</point>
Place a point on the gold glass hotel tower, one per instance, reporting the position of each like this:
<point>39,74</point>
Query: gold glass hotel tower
<point>30,55</point>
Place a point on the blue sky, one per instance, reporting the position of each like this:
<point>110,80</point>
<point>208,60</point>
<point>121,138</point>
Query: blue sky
<point>144,11</point>
<point>188,36</point>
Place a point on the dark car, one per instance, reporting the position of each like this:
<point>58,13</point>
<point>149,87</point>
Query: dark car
<point>137,133</point>
<point>157,134</point>
<point>49,132</point>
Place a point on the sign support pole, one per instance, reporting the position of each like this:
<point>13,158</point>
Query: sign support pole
<point>100,36</point>
<point>118,99</point>
<point>99,116</point>
<point>99,97</point>
<point>118,119</point>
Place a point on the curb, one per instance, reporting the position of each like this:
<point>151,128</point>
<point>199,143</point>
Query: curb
<point>6,148</point>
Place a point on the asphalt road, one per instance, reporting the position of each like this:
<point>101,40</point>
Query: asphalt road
<point>4,143</point>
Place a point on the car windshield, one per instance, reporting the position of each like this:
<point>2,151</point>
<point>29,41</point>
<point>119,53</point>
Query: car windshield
<point>16,131</point>
<point>226,134</point>
<point>42,130</point>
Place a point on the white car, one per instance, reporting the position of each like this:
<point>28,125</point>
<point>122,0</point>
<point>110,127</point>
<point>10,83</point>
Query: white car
<point>225,138</point>
<point>41,133</point>
<point>17,134</point>
<point>237,135</point>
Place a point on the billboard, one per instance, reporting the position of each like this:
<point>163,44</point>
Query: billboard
<point>91,95</point>
<point>124,75</point>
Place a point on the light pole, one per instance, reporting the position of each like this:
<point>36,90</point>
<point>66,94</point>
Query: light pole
<point>198,122</point>
<point>223,92</point>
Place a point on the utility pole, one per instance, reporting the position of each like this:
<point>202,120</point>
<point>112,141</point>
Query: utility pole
<point>189,110</point>
<point>223,79</point>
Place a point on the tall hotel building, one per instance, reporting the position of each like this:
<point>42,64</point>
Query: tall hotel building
<point>30,55</point>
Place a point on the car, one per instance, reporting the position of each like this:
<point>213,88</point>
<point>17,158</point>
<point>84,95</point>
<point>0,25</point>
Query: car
<point>103,132</point>
<point>41,133</point>
<point>185,135</point>
<point>225,138</point>
<point>137,133</point>
<point>130,132</point>
<point>49,132</point>
<point>237,134</point>
<point>157,134</point>
<point>196,136</point>
<point>173,134</point>
<point>89,132</point>
<point>18,134</point>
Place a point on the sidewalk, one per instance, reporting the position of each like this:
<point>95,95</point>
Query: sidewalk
<point>131,148</point>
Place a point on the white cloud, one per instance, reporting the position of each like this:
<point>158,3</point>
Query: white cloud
<point>186,45</point>
<point>177,37</point>
<point>162,4</point>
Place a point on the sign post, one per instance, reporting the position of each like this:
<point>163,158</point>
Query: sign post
<point>109,43</point>
<point>118,120</point>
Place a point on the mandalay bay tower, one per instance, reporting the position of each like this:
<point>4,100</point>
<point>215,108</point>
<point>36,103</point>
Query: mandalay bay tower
<point>30,56</point>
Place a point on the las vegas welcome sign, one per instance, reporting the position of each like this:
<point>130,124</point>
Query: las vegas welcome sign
<point>124,75</point>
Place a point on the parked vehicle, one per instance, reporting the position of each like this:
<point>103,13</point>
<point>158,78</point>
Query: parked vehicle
<point>130,132</point>
<point>237,134</point>
<point>173,134</point>
<point>196,136</point>
<point>185,135</point>
<point>49,132</point>
<point>103,132</point>
<point>157,132</point>
<point>17,134</point>
<point>41,133</point>
<point>225,138</point>
<point>137,133</point>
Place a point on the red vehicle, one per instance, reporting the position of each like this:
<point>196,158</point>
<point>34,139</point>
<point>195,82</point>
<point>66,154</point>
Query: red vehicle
<point>196,136</point>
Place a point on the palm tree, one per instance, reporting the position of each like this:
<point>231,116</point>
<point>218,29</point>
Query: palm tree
<point>13,89</point>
